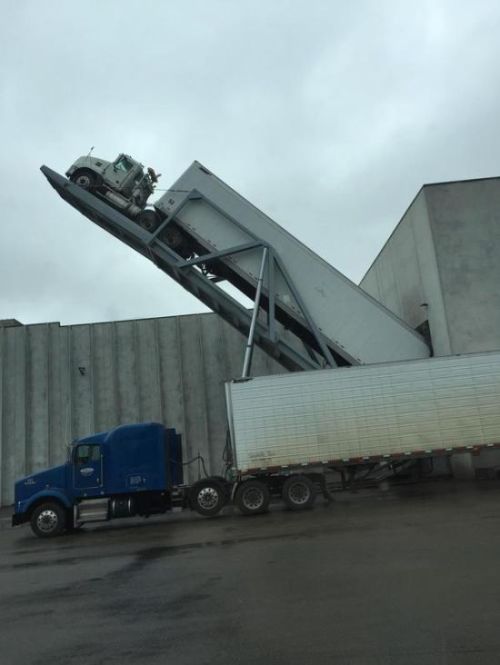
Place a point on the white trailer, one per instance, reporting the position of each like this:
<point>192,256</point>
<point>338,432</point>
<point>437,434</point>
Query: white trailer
<point>365,416</point>
<point>213,216</point>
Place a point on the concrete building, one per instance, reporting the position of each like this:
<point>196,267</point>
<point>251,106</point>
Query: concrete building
<point>440,268</point>
<point>439,271</point>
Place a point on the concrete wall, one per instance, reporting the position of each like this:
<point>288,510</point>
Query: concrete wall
<point>62,382</point>
<point>441,263</point>
<point>465,223</point>
<point>405,277</point>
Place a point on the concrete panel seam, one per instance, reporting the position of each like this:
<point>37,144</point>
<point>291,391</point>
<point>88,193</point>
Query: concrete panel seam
<point>430,218</point>
<point>186,444</point>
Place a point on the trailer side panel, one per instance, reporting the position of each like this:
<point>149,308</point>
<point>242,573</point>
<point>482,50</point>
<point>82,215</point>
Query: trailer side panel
<point>350,414</point>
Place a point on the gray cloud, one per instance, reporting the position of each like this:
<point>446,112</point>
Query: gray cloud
<point>328,117</point>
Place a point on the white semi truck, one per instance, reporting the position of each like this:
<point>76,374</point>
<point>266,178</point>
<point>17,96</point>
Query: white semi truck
<point>123,183</point>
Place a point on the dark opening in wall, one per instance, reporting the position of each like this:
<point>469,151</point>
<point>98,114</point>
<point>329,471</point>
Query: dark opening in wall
<point>424,330</point>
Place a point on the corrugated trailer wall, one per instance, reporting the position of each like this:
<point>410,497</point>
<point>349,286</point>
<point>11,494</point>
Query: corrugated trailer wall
<point>58,383</point>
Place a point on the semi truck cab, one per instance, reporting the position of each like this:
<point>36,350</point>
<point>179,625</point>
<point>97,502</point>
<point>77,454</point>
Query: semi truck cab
<point>130,470</point>
<point>123,183</point>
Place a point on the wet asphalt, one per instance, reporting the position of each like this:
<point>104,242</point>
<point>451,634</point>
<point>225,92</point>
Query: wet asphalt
<point>409,576</point>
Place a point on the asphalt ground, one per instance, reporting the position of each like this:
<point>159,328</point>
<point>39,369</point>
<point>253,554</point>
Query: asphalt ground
<point>408,576</point>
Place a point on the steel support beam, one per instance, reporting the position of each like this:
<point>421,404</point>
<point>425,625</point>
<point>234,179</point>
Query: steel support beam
<point>251,334</point>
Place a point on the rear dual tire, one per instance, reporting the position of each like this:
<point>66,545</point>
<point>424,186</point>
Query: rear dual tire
<point>149,220</point>
<point>299,492</point>
<point>208,497</point>
<point>252,497</point>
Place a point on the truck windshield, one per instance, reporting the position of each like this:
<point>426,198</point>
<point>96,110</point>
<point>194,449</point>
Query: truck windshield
<point>123,164</point>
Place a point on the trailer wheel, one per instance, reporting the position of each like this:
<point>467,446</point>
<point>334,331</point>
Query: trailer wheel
<point>48,519</point>
<point>207,497</point>
<point>85,179</point>
<point>252,497</point>
<point>149,220</point>
<point>299,492</point>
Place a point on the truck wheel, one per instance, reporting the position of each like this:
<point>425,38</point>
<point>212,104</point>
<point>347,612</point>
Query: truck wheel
<point>207,497</point>
<point>149,220</point>
<point>299,492</point>
<point>84,179</point>
<point>252,497</point>
<point>48,519</point>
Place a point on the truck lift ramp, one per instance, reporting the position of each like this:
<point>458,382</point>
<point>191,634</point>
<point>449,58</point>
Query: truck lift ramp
<point>306,314</point>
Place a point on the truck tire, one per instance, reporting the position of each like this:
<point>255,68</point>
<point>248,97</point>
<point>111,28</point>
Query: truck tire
<point>207,497</point>
<point>252,497</point>
<point>299,492</point>
<point>149,220</point>
<point>48,520</point>
<point>85,179</point>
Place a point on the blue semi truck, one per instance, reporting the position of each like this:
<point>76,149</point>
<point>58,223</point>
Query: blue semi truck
<point>130,470</point>
<point>138,470</point>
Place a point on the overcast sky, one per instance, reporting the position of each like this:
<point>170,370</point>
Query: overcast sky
<point>329,116</point>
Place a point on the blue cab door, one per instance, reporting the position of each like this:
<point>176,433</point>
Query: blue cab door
<point>87,467</point>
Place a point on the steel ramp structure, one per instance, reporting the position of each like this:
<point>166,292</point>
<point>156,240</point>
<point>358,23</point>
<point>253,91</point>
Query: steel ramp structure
<point>210,235</point>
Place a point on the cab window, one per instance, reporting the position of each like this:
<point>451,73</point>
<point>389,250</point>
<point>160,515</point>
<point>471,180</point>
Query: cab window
<point>87,453</point>
<point>123,164</point>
